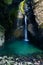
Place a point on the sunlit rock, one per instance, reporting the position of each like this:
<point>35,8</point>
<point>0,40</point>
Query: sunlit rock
<point>21,7</point>
<point>36,1</point>
<point>38,11</point>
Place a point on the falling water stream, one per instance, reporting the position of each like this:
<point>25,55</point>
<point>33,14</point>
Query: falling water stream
<point>26,38</point>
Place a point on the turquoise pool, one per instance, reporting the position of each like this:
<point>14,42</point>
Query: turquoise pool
<point>19,48</point>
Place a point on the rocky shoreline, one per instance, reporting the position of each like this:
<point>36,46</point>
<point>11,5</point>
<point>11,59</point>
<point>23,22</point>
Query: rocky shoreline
<point>22,60</point>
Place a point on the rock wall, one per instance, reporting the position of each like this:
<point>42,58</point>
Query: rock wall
<point>38,11</point>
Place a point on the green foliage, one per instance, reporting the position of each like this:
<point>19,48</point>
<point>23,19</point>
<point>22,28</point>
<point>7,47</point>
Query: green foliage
<point>13,12</point>
<point>8,1</point>
<point>8,14</point>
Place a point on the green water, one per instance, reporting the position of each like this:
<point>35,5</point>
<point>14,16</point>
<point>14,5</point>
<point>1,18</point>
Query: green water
<point>20,48</point>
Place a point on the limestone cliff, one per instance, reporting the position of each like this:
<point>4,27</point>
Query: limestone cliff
<point>38,11</point>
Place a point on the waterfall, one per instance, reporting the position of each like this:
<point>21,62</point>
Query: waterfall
<point>20,17</point>
<point>25,30</point>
